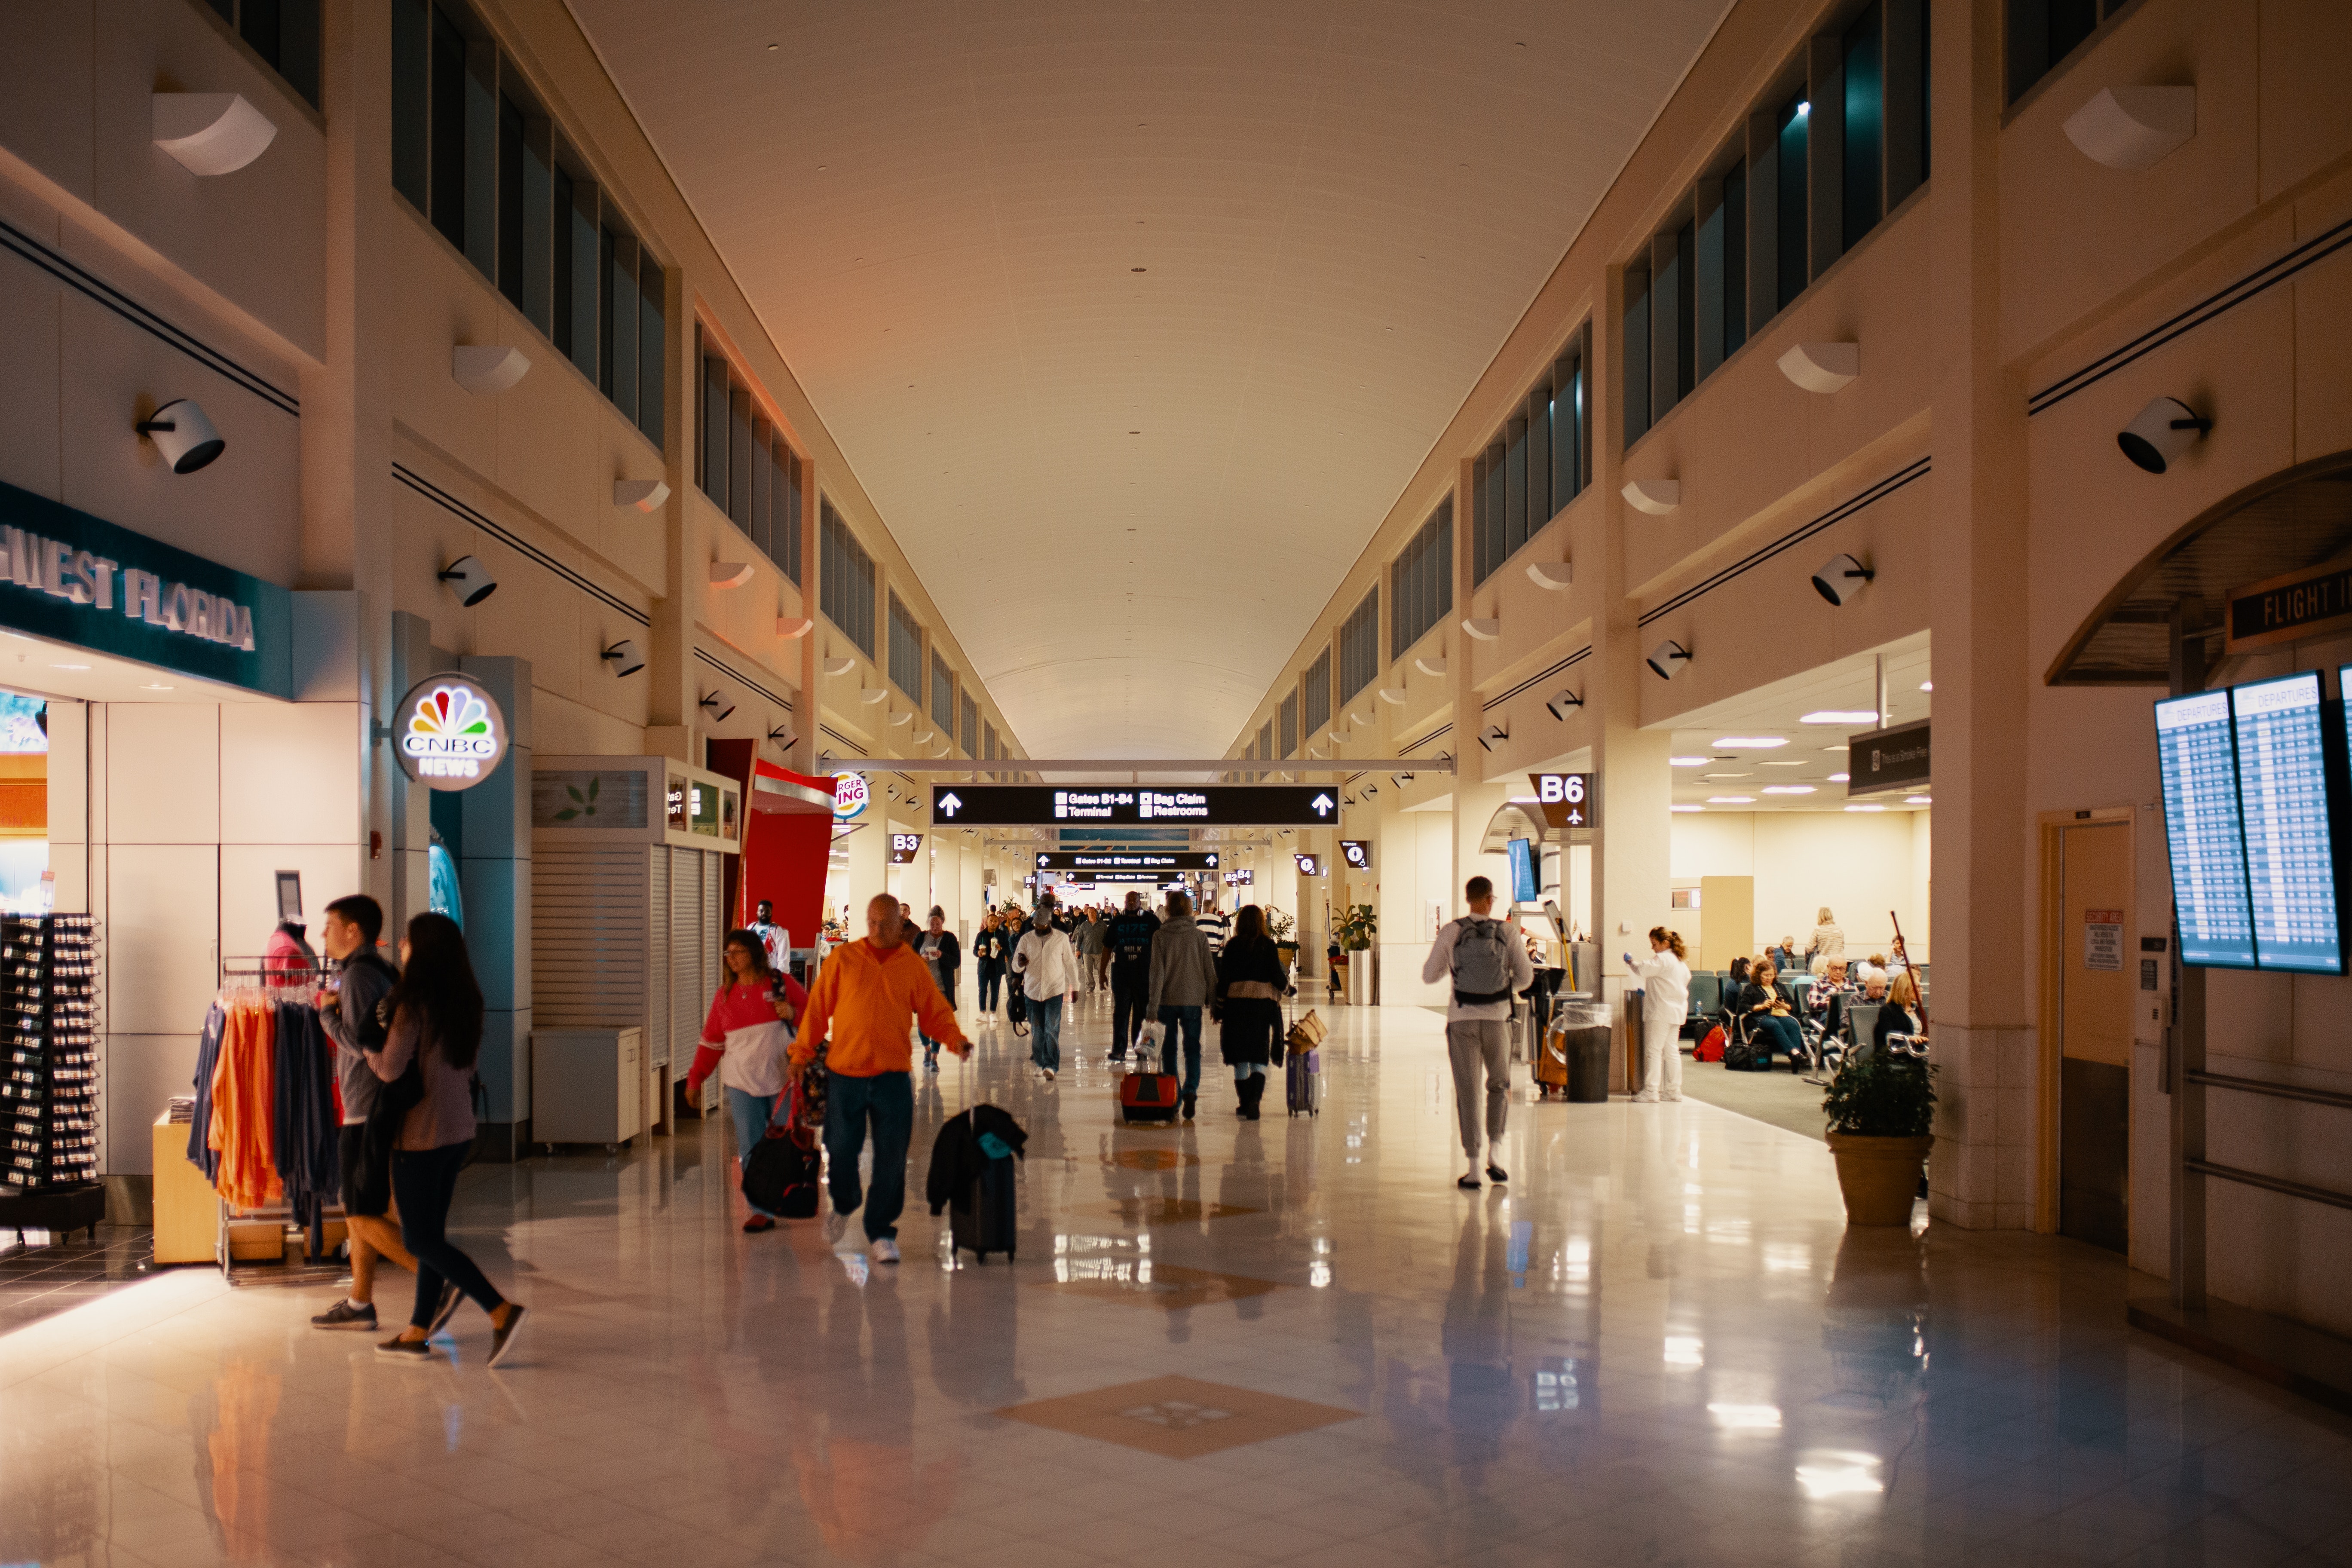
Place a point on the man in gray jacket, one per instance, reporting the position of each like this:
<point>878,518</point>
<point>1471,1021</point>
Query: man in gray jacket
<point>1183,981</point>
<point>347,1013</point>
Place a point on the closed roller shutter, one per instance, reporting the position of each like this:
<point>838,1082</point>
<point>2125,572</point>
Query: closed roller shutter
<point>589,918</point>
<point>690,988</point>
<point>656,1014</point>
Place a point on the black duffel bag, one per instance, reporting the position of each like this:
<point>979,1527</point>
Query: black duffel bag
<point>782,1177</point>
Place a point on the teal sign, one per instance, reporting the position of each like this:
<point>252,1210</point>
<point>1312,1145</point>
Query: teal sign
<point>80,579</point>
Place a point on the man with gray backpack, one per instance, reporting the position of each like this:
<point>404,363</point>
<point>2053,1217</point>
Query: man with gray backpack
<point>1484,964</point>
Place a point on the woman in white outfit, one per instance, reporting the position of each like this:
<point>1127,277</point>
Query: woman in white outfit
<point>1666,1000</point>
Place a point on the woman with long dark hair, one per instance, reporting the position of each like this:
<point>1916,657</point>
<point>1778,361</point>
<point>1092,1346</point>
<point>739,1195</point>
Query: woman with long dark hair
<point>428,1059</point>
<point>1251,982</point>
<point>744,1041</point>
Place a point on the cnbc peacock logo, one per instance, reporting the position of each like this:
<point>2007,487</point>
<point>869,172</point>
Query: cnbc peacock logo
<point>452,736</point>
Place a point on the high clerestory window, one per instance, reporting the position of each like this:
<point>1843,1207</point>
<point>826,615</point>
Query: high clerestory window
<point>1359,646</point>
<point>1315,696</point>
<point>1842,143</point>
<point>475,155</point>
<point>1539,462</point>
<point>845,579</point>
<point>1265,751</point>
<point>970,742</point>
<point>743,462</point>
<point>2042,32</point>
<point>906,651</point>
<point>284,33</point>
<point>943,696</point>
<point>1289,724</point>
<point>1420,584</point>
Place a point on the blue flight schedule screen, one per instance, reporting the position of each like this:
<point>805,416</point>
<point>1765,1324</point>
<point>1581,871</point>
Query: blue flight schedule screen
<point>2283,799</point>
<point>2198,763</point>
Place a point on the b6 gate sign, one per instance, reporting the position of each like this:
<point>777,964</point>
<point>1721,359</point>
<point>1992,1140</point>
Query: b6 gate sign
<point>1566,799</point>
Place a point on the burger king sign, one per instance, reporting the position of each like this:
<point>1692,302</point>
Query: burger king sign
<point>850,795</point>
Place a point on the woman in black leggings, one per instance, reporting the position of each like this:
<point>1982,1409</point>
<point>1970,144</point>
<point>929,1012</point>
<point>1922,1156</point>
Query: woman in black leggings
<point>436,1030</point>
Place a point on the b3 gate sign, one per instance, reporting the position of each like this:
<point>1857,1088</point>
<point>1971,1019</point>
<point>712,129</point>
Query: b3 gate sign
<point>1207,805</point>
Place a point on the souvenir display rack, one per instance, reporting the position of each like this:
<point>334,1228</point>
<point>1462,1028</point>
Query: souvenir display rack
<point>48,1078</point>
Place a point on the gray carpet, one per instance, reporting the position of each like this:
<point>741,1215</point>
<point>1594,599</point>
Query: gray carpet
<point>1781,1098</point>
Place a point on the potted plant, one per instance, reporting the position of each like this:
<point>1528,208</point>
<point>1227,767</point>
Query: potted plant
<point>1280,927</point>
<point>1355,928</point>
<point>1882,1117</point>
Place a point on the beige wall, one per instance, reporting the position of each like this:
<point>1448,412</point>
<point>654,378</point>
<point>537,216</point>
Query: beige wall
<point>1861,867</point>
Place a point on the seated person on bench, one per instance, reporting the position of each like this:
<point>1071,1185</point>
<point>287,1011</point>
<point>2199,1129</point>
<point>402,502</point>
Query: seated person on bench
<point>1900,1016</point>
<point>1760,1005</point>
<point>1825,1006</point>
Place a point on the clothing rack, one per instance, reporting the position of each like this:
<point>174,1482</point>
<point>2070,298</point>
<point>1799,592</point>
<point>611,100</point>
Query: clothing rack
<point>266,981</point>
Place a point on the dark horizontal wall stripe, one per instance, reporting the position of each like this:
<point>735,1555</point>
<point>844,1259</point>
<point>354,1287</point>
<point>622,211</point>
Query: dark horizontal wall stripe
<point>448,502</point>
<point>1434,736</point>
<point>830,733</point>
<point>2223,300</point>
<point>1830,518</point>
<point>1571,662</point>
<point>88,284</point>
<point>746,681</point>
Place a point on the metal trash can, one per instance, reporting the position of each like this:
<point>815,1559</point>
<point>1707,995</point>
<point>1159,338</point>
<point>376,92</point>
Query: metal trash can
<point>1586,1033</point>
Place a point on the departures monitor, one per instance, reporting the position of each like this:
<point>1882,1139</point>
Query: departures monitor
<point>2198,763</point>
<point>2283,796</point>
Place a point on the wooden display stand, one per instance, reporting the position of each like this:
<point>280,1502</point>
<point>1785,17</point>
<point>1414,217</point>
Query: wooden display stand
<point>187,1210</point>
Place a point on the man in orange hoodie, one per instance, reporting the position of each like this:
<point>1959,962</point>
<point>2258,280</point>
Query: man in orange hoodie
<point>866,995</point>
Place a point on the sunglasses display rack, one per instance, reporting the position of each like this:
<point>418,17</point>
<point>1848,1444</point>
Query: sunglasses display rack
<point>49,1072</point>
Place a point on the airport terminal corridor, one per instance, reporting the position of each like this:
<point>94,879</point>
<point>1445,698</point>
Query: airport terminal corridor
<point>1284,1341</point>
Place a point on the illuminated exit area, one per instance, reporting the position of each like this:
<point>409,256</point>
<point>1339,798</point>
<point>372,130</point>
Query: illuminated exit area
<point>25,885</point>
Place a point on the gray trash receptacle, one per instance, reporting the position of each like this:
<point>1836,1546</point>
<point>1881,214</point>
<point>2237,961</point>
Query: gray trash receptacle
<point>1588,1063</point>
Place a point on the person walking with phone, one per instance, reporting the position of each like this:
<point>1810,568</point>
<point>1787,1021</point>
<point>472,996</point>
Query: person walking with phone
<point>1048,968</point>
<point>943,957</point>
<point>988,953</point>
<point>348,1015</point>
<point>1484,964</point>
<point>1666,999</point>
<point>744,1041</point>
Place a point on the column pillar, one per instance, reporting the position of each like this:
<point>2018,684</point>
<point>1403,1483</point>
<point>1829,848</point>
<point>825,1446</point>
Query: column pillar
<point>494,874</point>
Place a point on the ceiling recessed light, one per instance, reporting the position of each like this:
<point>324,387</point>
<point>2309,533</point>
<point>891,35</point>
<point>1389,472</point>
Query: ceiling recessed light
<point>1841,746</point>
<point>1785,762</point>
<point>1840,778</point>
<point>1687,761</point>
<point>1748,742</point>
<point>1927,686</point>
<point>1865,808</point>
<point>1731,800</point>
<point>154,685</point>
<point>1713,778</point>
<point>69,666</point>
<point>1788,789</point>
<point>1840,716</point>
<point>1685,808</point>
<point>1918,800</point>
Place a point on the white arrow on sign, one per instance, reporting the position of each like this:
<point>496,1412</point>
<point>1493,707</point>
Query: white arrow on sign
<point>1212,861</point>
<point>1320,805</point>
<point>950,803</point>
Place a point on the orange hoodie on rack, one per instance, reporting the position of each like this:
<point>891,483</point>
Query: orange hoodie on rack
<point>245,1098</point>
<point>868,995</point>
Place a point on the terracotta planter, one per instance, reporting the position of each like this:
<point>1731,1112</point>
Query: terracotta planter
<point>1879,1176</point>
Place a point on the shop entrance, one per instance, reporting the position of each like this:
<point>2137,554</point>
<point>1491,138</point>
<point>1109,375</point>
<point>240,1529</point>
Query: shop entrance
<point>2093,1016</point>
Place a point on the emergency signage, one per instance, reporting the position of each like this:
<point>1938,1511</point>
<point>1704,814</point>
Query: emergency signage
<point>904,847</point>
<point>450,734</point>
<point>850,795</point>
<point>1566,799</point>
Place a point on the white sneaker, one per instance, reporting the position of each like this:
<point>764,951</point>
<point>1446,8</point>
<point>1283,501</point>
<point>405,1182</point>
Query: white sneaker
<point>884,1251</point>
<point>836,1225</point>
<point>1049,1075</point>
<point>1675,1096</point>
<point>1647,1097</point>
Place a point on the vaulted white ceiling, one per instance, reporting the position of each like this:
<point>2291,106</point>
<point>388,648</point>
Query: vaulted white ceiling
<point>1134,317</point>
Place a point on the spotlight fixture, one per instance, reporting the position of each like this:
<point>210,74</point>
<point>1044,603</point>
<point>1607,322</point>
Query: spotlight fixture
<point>870,695</point>
<point>2162,433</point>
<point>1841,577</point>
<point>1400,780</point>
<point>1667,660</point>
<point>714,701</point>
<point>1492,733</point>
<point>791,626</point>
<point>627,659</point>
<point>469,579</point>
<point>183,434</point>
<point>783,737</point>
<point>1371,789</point>
<point>1563,702</point>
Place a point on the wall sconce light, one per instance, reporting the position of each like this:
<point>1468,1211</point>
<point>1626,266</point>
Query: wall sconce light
<point>1666,660</point>
<point>209,132</point>
<point>183,434</point>
<point>2133,127</point>
<point>2161,434</point>
<point>1488,629</point>
<point>791,627</point>
<point>1553,574</point>
<point>721,713</point>
<point>487,369</point>
<point>726,574</point>
<point>644,495</point>
<point>1655,497</point>
<point>1564,702</point>
<point>625,658</point>
<point>1395,694</point>
<point>839,666</point>
<point>870,695</point>
<point>1841,577</point>
<point>1822,367</point>
<point>469,579</point>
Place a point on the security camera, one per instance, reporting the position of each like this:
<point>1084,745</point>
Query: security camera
<point>183,434</point>
<point>1841,577</point>
<point>1564,704</point>
<point>713,701</point>
<point>1667,660</point>
<point>2164,430</point>
<point>627,660</point>
<point>469,579</point>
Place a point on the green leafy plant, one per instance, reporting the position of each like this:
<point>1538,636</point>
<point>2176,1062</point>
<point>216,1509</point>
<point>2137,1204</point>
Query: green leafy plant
<point>582,805</point>
<point>1356,928</point>
<point>1882,1096</point>
<point>1279,925</point>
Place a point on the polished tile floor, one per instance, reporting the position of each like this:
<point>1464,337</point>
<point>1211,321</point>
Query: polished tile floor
<point>1284,1341</point>
<point>41,1275</point>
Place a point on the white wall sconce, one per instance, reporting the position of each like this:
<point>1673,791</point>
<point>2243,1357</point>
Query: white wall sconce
<point>870,695</point>
<point>1822,367</point>
<point>839,666</point>
<point>643,495</point>
<point>2133,127</point>
<point>1553,574</point>
<point>2161,434</point>
<point>209,133</point>
<point>1493,734</point>
<point>726,574</point>
<point>1840,578</point>
<point>719,707</point>
<point>487,369</point>
<point>183,434</point>
<point>790,627</point>
<point>1668,659</point>
<point>1489,629</point>
<point>897,720</point>
<point>923,738</point>
<point>1655,497</point>
<point>469,579</point>
<point>625,657</point>
<point>1431,666</point>
<point>1393,694</point>
<point>1564,702</point>
<point>1363,716</point>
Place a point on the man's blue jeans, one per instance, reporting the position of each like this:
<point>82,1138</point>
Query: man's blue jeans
<point>1187,1020</point>
<point>1045,1033</point>
<point>888,1101</point>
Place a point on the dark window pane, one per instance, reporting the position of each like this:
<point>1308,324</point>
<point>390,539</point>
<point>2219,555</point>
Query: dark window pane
<point>1515,485</point>
<point>2070,21</point>
<point>510,207</point>
<point>1540,505</point>
<point>561,263</point>
<point>286,33</point>
<point>585,255</point>
<point>539,225</point>
<point>1637,353</point>
<point>787,501</point>
<point>618,324</point>
<point>1681,291</point>
<point>653,366</point>
<point>738,456</point>
<point>1865,126</point>
<point>481,241</point>
<point>448,123</point>
<point>411,96</point>
<point>1791,198</point>
<point>1735,258</point>
<point>763,523</point>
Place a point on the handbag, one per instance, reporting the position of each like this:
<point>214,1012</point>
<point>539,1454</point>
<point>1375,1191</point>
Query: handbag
<point>780,1176</point>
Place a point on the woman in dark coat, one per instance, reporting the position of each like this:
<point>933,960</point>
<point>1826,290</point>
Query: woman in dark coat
<point>1251,982</point>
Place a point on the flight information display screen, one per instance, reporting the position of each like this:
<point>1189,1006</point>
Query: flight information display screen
<point>2283,800</point>
<point>2198,763</point>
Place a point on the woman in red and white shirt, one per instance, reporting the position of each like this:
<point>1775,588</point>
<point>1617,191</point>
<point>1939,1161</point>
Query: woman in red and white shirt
<point>744,1040</point>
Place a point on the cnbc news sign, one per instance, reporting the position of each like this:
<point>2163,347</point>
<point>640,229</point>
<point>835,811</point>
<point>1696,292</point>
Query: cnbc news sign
<point>78,579</point>
<point>1209,806</point>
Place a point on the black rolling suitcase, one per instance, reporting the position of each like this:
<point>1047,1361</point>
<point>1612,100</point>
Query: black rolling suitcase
<point>983,1218</point>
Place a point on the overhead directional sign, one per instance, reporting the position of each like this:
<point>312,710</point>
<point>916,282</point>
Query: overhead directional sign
<point>1128,860</point>
<point>1208,805</point>
<point>1567,798</point>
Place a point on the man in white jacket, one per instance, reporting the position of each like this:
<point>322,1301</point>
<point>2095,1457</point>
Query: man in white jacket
<point>1048,968</point>
<point>1484,964</point>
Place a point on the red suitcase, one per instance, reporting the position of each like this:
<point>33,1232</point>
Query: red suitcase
<point>1146,1096</point>
<point>1710,1049</point>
